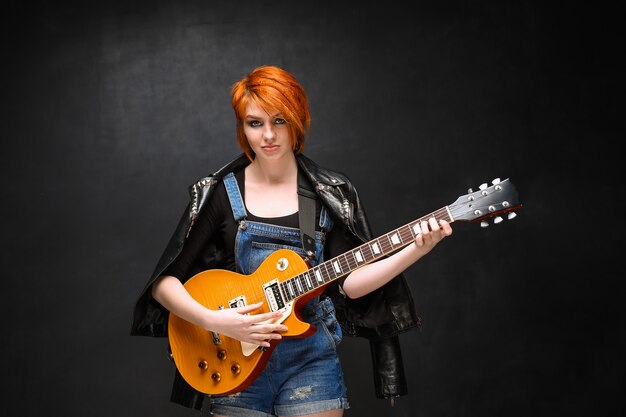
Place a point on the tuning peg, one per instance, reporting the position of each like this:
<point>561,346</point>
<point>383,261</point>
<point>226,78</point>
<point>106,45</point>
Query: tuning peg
<point>511,215</point>
<point>495,181</point>
<point>483,186</point>
<point>469,190</point>
<point>497,220</point>
<point>484,224</point>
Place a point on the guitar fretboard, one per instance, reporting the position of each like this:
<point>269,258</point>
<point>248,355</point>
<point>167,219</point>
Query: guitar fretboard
<point>351,260</point>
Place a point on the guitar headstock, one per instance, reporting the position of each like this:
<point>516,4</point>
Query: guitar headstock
<point>489,201</point>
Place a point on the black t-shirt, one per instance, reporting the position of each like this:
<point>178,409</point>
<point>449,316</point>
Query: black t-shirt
<point>217,218</point>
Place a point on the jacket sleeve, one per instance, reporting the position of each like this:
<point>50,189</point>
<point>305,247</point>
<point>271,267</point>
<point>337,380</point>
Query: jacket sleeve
<point>150,317</point>
<point>388,368</point>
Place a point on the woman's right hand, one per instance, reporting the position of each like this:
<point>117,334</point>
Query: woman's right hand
<point>238,323</point>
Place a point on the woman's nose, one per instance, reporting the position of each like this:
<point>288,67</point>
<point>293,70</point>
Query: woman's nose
<point>268,132</point>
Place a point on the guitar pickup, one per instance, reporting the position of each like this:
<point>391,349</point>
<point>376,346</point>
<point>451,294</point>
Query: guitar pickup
<point>273,295</point>
<point>238,302</point>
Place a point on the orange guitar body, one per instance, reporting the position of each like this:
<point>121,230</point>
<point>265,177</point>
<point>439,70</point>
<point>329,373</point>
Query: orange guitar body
<point>216,364</point>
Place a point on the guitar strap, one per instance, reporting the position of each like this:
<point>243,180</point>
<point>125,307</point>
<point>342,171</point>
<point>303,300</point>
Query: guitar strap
<point>306,215</point>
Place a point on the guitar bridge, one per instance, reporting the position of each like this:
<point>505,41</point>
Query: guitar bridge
<point>273,295</point>
<point>216,336</point>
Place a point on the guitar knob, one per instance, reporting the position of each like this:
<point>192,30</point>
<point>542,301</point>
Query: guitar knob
<point>282,264</point>
<point>484,224</point>
<point>497,220</point>
<point>216,376</point>
<point>495,181</point>
<point>511,215</point>
<point>483,186</point>
<point>235,369</point>
<point>221,354</point>
<point>203,365</point>
<point>469,190</point>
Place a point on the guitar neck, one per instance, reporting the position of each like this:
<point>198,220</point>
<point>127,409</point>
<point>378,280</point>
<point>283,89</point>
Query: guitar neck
<point>352,260</point>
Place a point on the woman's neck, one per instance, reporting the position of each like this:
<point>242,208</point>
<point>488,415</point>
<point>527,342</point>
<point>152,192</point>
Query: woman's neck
<point>273,171</point>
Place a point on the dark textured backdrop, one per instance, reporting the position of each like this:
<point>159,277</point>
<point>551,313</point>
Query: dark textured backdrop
<point>110,109</point>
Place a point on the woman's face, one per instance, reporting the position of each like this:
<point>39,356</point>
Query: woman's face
<point>268,133</point>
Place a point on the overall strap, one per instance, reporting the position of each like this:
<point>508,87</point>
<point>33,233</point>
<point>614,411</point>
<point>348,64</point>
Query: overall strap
<point>306,213</point>
<point>234,195</point>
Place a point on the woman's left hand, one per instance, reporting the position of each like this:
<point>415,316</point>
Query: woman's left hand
<point>432,233</point>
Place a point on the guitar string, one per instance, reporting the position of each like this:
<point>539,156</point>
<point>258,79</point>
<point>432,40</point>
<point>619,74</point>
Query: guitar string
<point>344,263</point>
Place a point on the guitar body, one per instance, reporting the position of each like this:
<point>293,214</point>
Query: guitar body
<point>219,365</point>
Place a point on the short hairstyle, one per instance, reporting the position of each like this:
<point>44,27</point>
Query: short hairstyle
<point>272,88</point>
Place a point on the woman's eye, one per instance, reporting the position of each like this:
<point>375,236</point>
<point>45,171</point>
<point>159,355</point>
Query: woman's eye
<point>280,121</point>
<point>254,123</point>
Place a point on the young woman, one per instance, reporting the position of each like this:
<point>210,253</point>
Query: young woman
<point>239,215</point>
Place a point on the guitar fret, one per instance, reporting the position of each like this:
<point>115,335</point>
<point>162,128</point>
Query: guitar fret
<point>337,267</point>
<point>323,272</point>
<point>367,252</point>
<point>358,256</point>
<point>307,279</point>
<point>311,276</point>
<point>318,275</point>
<point>375,248</point>
<point>405,234</point>
<point>327,276</point>
<point>383,245</point>
<point>343,265</point>
<point>283,287</point>
<point>300,284</point>
<point>349,262</point>
<point>386,244</point>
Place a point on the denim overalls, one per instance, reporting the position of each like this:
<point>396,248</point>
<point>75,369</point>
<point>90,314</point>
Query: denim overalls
<point>302,376</point>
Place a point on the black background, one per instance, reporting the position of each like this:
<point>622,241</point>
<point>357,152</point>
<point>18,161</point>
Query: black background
<point>110,109</point>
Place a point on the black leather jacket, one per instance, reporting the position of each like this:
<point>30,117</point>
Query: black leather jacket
<point>379,316</point>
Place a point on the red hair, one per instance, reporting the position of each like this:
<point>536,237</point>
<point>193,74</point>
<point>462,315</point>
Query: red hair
<point>272,89</point>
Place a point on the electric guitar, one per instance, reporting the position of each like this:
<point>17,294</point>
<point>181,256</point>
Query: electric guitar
<point>215,364</point>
